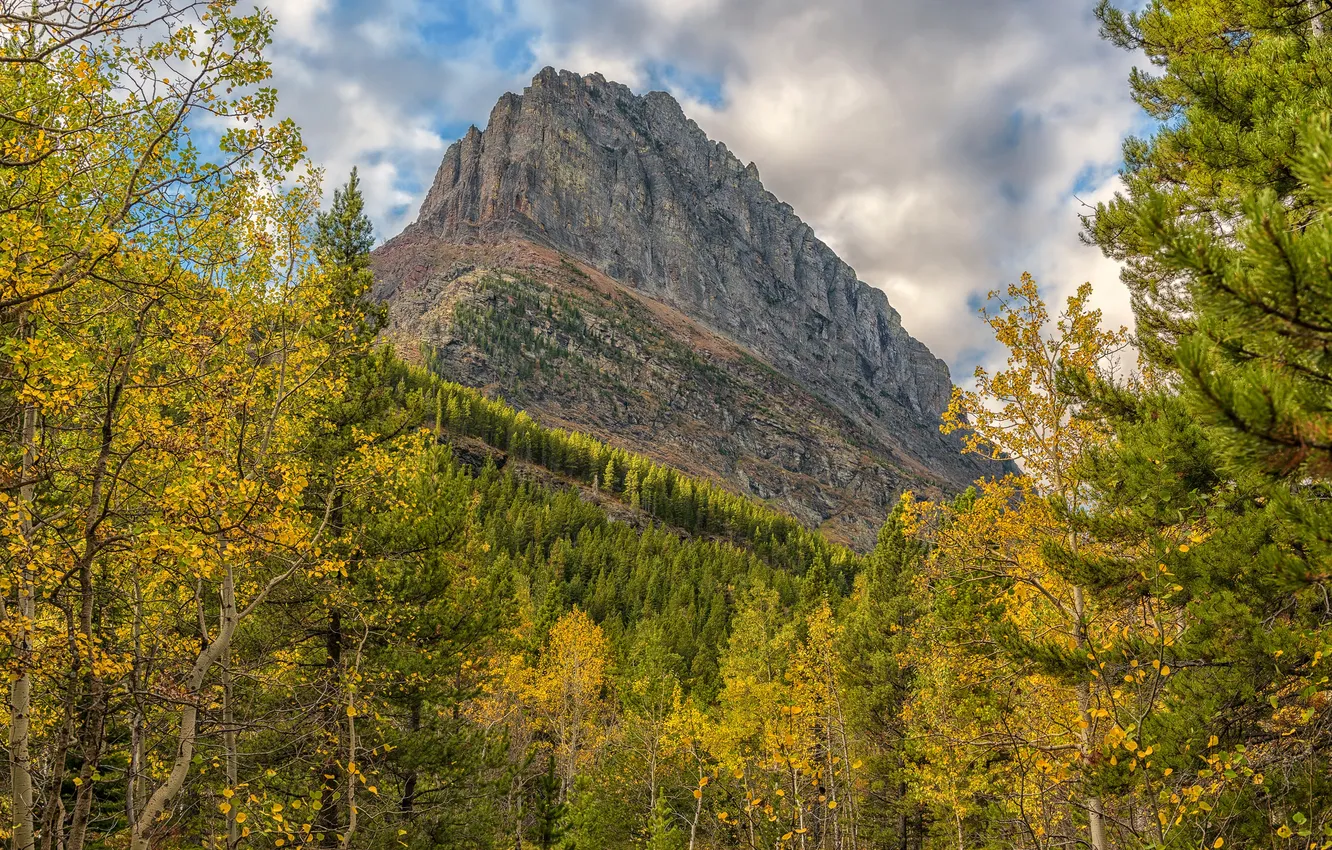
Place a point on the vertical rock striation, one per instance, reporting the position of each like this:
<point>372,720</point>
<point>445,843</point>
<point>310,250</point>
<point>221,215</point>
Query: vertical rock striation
<point>633,188</point>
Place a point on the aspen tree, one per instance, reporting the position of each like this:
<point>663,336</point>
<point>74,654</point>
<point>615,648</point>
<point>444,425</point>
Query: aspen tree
<point>1022,413</point>
<point>109,230</point>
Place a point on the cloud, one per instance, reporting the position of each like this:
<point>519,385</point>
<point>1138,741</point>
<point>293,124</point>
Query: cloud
<point>385,86</point>
<point>300,20</point>
<point>938,147</point>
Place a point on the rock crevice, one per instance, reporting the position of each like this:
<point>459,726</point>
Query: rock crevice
<point>631,185</point>
<point>633,188</point>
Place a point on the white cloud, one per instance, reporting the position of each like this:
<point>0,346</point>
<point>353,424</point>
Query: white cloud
<point>300,21</point>
<point>679,11</point>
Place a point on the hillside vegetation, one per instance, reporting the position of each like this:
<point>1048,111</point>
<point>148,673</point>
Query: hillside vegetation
<point>266,584</point>
<point>574,348</point>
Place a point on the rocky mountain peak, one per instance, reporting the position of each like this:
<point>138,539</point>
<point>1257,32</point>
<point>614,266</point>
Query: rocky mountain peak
<point>630,186</point>
<point>636,188</point>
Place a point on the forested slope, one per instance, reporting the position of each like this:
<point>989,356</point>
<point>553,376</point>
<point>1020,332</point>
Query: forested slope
<point>576,349</point>
<point>265,584</point>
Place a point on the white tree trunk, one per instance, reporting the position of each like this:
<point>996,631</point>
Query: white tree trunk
<point>229,745</point>
<point>189,718</point>
<point>20,690</point>
<point>1095,810</point>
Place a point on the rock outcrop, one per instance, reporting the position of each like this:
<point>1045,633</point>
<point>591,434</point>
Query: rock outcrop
<point>631,187</point>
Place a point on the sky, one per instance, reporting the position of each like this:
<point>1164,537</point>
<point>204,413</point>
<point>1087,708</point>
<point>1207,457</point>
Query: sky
<point>941,148</point>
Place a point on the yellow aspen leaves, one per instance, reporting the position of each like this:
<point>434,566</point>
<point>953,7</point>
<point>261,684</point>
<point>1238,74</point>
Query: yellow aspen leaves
<point>993,549</point>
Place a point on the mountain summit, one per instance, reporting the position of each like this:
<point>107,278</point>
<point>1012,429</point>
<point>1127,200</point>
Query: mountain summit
<point>596,259</point>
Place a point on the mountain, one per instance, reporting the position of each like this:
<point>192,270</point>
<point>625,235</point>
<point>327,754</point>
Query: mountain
<point>595,259</point>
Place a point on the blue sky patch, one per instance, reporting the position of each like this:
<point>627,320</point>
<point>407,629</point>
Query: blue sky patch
<point>963,365</point>
<point>450,131</point>
<point>1086,180</point>
<point>1011,135</point>
<point>455,22</point>
<point>701,87</point>
<point>513,52</point>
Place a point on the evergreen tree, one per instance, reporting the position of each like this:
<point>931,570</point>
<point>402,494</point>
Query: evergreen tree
<point>663,834</point>
<point>1234,85</point>
<point>1192,552</point>
<point>1257,365</point>
<point>1224,230</point>
<point>551,810</point>
<point>879,678</point>
<point>1208,508</point>
<point>343,239</point>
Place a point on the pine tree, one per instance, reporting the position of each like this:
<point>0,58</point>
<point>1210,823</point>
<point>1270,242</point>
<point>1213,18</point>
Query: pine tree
<point>551,810</point>
<point>1234,85</point>
<point>1188,552</point>
<point>343,239</point>
<point>1224,229</point>
<point>662,831</point>
<point>1211,503</point>
<point>1257,366</point>
<point>879,678</point>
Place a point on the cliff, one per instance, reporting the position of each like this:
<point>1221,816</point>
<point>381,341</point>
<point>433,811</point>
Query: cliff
<point>629,188</point>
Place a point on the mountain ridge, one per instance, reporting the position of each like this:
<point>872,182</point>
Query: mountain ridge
<point>629,187</point>
<point>489,181</point>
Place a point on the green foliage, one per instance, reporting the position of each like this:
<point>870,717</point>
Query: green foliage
<point>1210,503</point>
<point>1235,84</point>
<point>698,507</point>
<point>1256,364</point>
<point>663,834</point>
<point>342,242</point>
<point>551,812</point>
<point>524,328</point>
<point>569,554</point>
<point>878,626</point>
<point>1182,534</point>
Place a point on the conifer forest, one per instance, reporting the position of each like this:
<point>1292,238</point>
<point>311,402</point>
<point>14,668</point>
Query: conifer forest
<point>268,580</point>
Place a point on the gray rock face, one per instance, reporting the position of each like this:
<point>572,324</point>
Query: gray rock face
<point>632,187</point>
<point>635,188</point>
